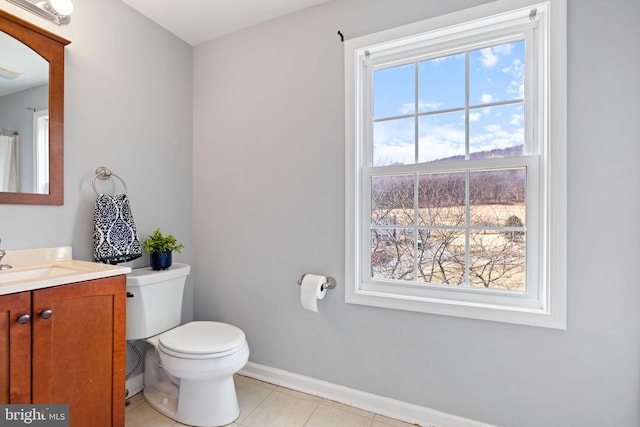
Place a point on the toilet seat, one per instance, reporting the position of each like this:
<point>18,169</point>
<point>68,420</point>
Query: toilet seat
<point>201,340</point>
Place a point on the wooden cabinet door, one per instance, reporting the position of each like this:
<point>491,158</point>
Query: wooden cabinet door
<point>15,348</point>
<point>79,350</point>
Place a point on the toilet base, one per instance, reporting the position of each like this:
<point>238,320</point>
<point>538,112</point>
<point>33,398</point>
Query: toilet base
<point>166,405</point>
<point>201,403</point>
<point>210,402</point>
<point>204,403</point>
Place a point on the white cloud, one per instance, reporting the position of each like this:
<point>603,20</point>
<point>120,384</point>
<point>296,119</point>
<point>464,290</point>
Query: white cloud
<point>495,137</point>
<point>444,141</point>
<point>488,58</point>
<point>517,119</point>
<point>494,128</point>
<point>474,117</point>
<point>428,106</point>
<point>394,151</point>
<point>441,142</point>
<point>440,59</point>
<point>486,98</point>
<point>393,142</point>
<point>408,108</point>
<point>516,71</point>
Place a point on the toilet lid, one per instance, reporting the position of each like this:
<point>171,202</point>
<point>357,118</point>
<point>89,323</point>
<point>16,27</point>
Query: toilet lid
<point>202,338</point>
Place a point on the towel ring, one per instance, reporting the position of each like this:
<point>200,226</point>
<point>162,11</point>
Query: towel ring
<point>103,173</point>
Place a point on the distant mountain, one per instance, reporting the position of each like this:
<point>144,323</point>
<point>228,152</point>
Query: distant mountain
<point>498,152</point>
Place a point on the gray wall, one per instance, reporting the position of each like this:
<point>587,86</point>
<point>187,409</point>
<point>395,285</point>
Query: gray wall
<point>128,106</point>
<point>269,206</point>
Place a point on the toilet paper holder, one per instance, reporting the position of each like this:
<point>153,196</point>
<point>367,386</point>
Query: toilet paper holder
<point>329,284</point>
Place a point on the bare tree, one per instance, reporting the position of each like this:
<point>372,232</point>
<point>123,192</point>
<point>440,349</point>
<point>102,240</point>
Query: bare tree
<point>442,240</point>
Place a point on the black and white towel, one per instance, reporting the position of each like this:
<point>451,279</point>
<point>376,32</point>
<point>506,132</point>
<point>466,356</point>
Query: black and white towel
<point>115,238</point>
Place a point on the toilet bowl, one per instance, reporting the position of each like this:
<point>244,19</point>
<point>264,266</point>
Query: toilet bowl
<point>189,368</point>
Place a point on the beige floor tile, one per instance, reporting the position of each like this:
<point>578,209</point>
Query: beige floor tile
<point>325,416</point>
<point>145,416</point>
<point>281,410</point>
<point>264,405</point>
<point>382,421</point>
<point>347,408</point>
<point>240,378</point>
<point>134,402</point>
<point>299,394</point>
<point>250,395</point>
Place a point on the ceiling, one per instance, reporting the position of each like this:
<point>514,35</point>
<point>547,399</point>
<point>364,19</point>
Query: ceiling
<point>197,21</point>
<point>31,69</point>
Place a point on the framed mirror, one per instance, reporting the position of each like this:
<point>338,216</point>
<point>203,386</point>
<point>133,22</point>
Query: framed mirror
<point>31,113</point>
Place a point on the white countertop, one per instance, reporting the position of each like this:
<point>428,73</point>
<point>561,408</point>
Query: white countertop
<point>47,267</point>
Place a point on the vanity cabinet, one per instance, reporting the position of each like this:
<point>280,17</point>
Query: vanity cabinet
<point>70,349</point>
<point>15,348</point>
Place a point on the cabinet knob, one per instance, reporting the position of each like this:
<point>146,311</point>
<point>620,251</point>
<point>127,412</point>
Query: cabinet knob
<point>25,318</point>
<point>45,314</point>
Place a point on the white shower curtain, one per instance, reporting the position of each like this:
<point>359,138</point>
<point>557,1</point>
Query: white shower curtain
<point>8,163</point>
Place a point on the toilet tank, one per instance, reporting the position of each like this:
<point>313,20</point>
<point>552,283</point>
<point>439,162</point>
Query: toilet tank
<point>154,300</point>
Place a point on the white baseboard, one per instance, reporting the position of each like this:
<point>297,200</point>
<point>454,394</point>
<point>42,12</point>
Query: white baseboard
<point>135,385</point>
<point>370,402</point>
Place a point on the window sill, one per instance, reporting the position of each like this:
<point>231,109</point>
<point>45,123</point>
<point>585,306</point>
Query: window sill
<point>540,316</point>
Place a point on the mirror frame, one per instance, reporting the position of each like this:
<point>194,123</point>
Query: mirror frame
<point>51,47</point>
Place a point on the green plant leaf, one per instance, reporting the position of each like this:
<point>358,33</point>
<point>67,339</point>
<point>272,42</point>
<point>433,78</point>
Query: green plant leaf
<point>158,243</point>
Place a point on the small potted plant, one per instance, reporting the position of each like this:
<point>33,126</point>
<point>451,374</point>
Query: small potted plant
<point>160,248</point>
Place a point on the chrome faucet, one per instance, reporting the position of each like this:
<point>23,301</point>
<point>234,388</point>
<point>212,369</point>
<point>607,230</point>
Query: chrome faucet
<point>2,254</point>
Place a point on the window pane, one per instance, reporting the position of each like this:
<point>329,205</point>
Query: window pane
<point>394,91</point>
<point>392,254</point>
<point>497,260</point>
<point>441,83</point>
<point>441,256</point>
<point>392,200</point>
<point>441,136</point>
<point>496,73</point>
<point>393,142</point>
<point>441,199</point>
<point>496,131</point>
<point>498,197</point>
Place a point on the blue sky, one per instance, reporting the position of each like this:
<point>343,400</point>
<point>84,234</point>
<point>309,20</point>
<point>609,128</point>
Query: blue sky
<point>496,74</point>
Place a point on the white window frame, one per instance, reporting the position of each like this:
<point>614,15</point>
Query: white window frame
<point>544,303</point>
<point>41,151</point>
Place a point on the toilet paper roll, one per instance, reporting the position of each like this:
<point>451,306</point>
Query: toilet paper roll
<point>311,291</point>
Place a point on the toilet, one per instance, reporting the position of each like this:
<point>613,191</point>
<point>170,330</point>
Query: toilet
<point>188,368</point>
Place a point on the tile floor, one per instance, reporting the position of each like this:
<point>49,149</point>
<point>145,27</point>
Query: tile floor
<point>264,405</point>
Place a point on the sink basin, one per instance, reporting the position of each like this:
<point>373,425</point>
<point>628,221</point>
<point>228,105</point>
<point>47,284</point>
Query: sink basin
<point>46,267</point>
<point>38,273</point>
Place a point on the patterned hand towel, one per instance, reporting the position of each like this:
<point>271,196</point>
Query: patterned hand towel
<point>114,233</point>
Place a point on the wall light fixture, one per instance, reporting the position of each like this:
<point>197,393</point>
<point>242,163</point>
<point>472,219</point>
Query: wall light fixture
<point>58,11</point>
